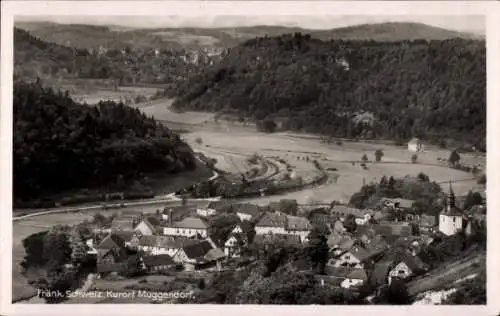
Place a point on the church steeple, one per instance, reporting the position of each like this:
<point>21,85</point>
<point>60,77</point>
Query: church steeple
<point>451,198</point>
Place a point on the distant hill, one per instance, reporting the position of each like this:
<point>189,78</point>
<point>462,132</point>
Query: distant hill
<point>433,90</point>
<point>85,36</point>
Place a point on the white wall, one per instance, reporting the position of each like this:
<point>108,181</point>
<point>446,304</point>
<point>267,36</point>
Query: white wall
<point>347,283</point>
<point>244,217</point>
<point>186,232</point>
<point>260,230</point>
<point>450,225</point>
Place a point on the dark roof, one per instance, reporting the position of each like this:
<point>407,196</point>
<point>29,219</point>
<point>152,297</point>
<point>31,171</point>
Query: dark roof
<point>247,208</point>
<point>198,250</point>
<point>270,219</point>
<point>343,210</point>
<point>111,241</point>
<point>125,235</point>
<point>393,228</point>
<point>342,242</point>
<point>158,260</point>
<point>414,263</point>
<point>220,206</point>
<point>339,272</point>
<point>360,253</point>
<point>399,202</point>
<point>297,223</point>
<point>381,271</point>
<point>358,274</point>
<point>291,240</point>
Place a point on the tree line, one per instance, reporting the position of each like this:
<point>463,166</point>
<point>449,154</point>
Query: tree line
<point>60,144</point>
<point>434,90</point>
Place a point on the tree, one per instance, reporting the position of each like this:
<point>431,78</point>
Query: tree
<point>33,247</point>
<point>471,199</point>
<point>78,247</point>
<point>454,158</point>
<point>350,223</point>
<point>397,293</point>
<point>268,126</point>
<point>199,140</point>
<point>56,250</point>
<point>482,179</point>
<point>364,158</point>
<point>414,158</point>
<point>378,155</point>
<point>317,250</point>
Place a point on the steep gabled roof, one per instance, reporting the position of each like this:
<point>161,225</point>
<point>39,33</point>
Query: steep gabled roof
<point>111,241</point>
<point>270,219</point>
<point>190,223</point>
<point>198,250</point>
<point>126,235</point>
<point>298,223</point>
<point>358,274</point>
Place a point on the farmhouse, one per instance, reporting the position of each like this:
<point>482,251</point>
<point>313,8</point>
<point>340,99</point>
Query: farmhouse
<point>450,219</point>
<point>157,263</point>
<point>271,223</point>
<point>147,226</point>
<point>427,223</point>
<point>362,216</point>
<point>298,226</point>
<point>111,253</point>
<point>232,246</point>
<point>407,267</point>
<point>176,213</point>
<point>188,227</point>
<point>247,212</point>
<point>415,145</point>
<point>156,245</point>
<point>398,204</point>
<point>355,278</point>
<point>198,256</point>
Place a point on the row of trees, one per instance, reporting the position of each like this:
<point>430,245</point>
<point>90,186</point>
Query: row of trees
<point>352,89</point>
<point>60,144</point>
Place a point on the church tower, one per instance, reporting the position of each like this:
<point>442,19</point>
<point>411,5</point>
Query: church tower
<point>450,219</point>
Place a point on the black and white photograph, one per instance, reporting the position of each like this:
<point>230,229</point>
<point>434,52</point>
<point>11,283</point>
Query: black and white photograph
<point>288,159</point>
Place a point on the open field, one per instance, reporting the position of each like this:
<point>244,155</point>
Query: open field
<point>161,110</point>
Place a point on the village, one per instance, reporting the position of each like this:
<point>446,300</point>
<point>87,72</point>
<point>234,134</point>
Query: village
<point>373,246</point>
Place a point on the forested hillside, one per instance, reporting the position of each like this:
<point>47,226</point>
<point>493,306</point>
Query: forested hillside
<point>62,145</point>
<point>356,89</point>
<point>36,58</point>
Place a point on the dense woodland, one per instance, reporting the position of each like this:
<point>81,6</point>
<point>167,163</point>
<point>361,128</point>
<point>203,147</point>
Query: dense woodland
<point>60,144</point>
<point>433,90</point>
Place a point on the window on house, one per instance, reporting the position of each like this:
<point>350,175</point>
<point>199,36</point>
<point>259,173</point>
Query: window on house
<point>401,271</point>
<point>454,219</point>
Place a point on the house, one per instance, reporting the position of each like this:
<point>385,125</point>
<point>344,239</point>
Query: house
<point>147,226</point>
<point>111,250</point>
<point>355,257</point>
<point>271,223</point>
<point>212,208</point>
<point>398,204</point>
<point>355,278</point>
<point>406,267</point>
<point>198,256</point>
<point>247,212</point>
<point>176,213</point>
<point>426,223</point>
<point>126,236</point>
<point>339,243</point>
<point>299,226</point>
<point>362,216</point>
<point>156,245</point>
<point>389,229</point>
<point>450,218</point>
<point>158,263</point>
<point>277,240</point>
<point>188,227</point>
<point>415,145</point>
<point>321,216</point>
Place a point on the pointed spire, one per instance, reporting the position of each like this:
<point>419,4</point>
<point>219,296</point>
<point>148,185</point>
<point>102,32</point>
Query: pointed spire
<point>451,199</point>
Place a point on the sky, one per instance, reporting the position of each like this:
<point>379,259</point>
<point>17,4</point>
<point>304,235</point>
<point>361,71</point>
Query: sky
<point>469,23</point>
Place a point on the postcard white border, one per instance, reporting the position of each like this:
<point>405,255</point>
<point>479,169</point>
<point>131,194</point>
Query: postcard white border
<point>490,9</point>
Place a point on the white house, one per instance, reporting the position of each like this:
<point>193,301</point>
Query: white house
<point>232,246</point>
<point>160,245</point>
<point>451,218</point>
<point>188,227</point>
<point>415,145</point>
<point>247,212</point>
<point>356,278</point>
<point>405,268</point>
<point>362,217</point>
<point>271,223</point>
<point>298,226</point>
